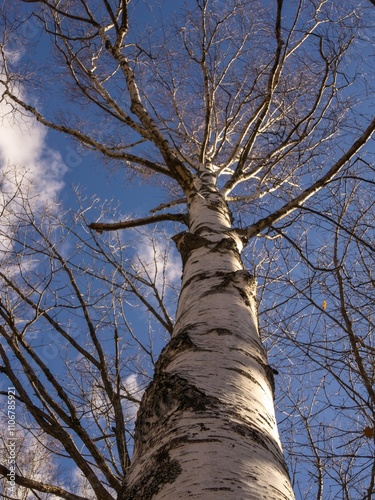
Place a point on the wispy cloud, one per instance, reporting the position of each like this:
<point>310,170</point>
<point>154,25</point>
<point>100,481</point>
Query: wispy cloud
<point>134,388</point>
<point>27,158</point>
<point>31,177</point>
<point>157,260</point>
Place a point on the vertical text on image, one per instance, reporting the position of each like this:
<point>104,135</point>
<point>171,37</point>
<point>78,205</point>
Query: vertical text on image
<point>11,440</point>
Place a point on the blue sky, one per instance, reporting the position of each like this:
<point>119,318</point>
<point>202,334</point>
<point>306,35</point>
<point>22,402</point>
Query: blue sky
<point>31,145</point>
<point>56,164</point>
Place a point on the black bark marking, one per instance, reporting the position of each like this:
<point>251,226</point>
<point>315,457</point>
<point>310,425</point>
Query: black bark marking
<point>244,297</point>
<point>218,488</point>
<point>225,282</point>
<point>225,245</point>
<point>245,374</point>
<point>187,242</point>
<point>255,435</point>
<point>221,331</point>
<point>179,342</point>
<point>202,277</point>
<point>243,234</point>
<point>246,288</point>
<point>163,470</point>
<point>270,372</point>
<point>166,395</point>
<point>246,431</point>
<point>208,229</point>
<point>203,427</point>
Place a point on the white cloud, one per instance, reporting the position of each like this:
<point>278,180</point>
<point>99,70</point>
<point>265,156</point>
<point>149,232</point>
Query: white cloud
<point>34,459</point>
<point>157,260</point>
<point>25,153</point>
<point>80,484</point>
<point>134,388</point>
<point>31,172</point>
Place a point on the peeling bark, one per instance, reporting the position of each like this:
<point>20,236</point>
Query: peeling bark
<point>206,427</point>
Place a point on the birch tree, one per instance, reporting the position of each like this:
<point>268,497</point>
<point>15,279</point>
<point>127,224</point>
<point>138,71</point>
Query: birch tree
<point>34,460</point>
<point>255,117</point>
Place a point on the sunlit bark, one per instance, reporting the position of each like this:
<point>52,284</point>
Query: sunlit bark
<point>206,426</point>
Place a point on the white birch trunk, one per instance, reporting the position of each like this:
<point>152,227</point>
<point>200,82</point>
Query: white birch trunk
<point>206,427</point>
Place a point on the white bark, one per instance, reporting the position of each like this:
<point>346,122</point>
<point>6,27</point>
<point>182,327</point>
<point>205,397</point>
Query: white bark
<point>207,427</point>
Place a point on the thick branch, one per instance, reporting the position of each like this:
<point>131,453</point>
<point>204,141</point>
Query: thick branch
<point>292,205</point>
<point>177,169</point>
<point>350,330</point>
<point>65,13</point>
<point>39,486</point>
<point>56,429</point>
<point>169,204</point>
<point>114,226</point>
<point>89,141</point>
<point>346,230</point>
<point>262,109</point>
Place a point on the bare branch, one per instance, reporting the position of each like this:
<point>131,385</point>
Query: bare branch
<point>114,226</point>
<point>40,486</point>
<point>292,205</point>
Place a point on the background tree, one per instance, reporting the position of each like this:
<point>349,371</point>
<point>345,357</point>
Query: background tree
<point>35,460</point>
<point>238,104</point>
<point>78,366</point>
